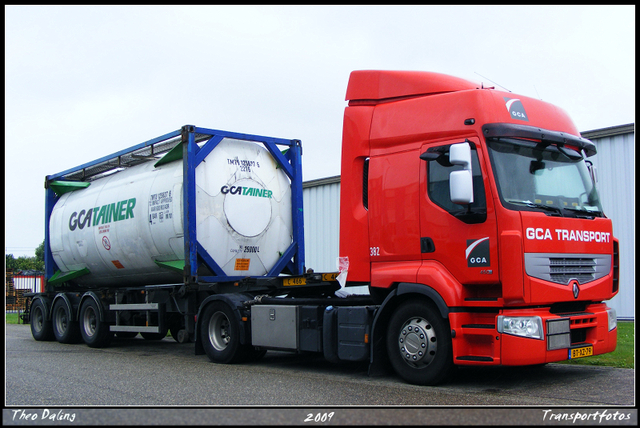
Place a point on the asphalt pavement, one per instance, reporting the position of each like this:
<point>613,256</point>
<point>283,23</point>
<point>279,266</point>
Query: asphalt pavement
<point>135,381</point>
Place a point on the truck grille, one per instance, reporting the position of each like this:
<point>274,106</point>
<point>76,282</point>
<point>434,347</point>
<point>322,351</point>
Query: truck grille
<point>562,268</point>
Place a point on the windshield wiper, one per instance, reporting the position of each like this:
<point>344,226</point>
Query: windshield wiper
<point>530,204</point>
<point>589,213</point>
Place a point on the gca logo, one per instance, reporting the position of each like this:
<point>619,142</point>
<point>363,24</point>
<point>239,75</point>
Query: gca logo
<point>477,252</point>
<point>516,109</point>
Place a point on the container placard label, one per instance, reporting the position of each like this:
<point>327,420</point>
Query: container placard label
<point>160,207</point>
<point>245,165</point>
<point>117,264</point>
<point>242,264</point>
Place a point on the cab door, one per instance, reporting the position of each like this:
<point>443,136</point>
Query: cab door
<point>462,238</point>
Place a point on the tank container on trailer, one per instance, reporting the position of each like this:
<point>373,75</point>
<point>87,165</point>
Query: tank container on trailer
<point>122,224</point>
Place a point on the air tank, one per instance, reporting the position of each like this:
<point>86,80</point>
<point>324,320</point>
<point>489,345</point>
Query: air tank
<point>126,227</point>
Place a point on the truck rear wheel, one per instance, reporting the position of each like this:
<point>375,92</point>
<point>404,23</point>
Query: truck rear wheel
<point>95,333</point>
<point>220,334</point>
<point>64,329</point>
<point>41,328</point>
<point>419,344</point>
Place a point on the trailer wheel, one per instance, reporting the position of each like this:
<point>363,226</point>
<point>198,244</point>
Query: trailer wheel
<point>65,330</point>
<point>95,333</point>
<point>41,328</point>
<point>220,334</point>
<point>419,344</point>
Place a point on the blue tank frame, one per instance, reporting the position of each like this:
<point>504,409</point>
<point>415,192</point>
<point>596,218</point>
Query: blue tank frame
<point>290,161</point>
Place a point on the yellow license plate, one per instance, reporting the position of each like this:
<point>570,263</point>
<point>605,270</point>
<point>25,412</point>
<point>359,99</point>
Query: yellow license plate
<point>329,276</point>
<point>288,282</point>
<point>585,351</point>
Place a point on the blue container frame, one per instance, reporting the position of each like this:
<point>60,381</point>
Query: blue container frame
<point>290,162</point>
<point>196,256</point>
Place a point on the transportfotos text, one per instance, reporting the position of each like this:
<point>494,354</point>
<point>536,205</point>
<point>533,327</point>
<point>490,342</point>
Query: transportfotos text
<point>597,416</point>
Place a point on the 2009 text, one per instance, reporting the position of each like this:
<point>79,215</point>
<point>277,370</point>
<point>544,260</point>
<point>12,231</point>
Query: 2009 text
<point>319,417</point>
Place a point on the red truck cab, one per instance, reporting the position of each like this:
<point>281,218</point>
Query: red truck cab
<point>480,206</point>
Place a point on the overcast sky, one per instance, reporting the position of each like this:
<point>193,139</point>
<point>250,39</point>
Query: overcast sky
<point>82,82</point>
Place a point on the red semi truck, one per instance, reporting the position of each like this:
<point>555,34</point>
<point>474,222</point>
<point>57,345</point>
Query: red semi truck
<point>470,214</point>
<point>484,228</point>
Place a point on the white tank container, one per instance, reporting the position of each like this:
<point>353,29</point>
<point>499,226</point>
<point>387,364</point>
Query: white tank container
<point>120,225</point>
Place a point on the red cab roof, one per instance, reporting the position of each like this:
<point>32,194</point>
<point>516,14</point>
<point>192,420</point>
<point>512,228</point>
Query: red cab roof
<point>385,84</point>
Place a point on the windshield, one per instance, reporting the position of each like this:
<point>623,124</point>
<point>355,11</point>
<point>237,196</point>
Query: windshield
<point>538,176</point>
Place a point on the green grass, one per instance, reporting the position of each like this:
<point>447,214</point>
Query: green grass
<point>12,318</point>
<point>622,357</point>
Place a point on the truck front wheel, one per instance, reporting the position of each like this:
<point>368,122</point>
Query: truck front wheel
<point>419,344</point>
<point>220,334</point>
<point>95,333</point>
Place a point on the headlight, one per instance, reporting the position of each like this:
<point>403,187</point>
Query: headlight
<point>521,326</point>
<point>613,318</point>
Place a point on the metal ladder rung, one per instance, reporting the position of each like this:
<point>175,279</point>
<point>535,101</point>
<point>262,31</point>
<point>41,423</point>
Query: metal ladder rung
<point>135,328</point>
<point>134,307</point>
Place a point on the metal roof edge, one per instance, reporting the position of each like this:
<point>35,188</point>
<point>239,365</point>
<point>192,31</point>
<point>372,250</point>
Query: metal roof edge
<point>321,182</point>
<point>611,131</point>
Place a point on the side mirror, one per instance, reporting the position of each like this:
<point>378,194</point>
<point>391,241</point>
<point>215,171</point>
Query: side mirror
<point>461,182</point>
<point>593,172</point>
<point>461,187</point>
<point>460,154</point>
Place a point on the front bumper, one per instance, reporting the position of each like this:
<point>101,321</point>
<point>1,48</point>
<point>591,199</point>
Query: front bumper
<point>478,342</point>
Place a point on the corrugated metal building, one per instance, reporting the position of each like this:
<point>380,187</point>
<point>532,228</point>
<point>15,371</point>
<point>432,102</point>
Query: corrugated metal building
<point>29,280</point>
<point>321,205</point>
<point>17,284</point>
<point>615,162</point>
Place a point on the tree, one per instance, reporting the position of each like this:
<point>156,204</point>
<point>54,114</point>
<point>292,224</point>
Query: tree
<point>40,252</point>
<point>26,263</point>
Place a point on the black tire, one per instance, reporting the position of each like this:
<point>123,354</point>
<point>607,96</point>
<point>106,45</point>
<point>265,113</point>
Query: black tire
<point>41,328</point>
<point>220,334</point>
<point>174,333</point>
<point>176,323</point>
<point>419,343</point>
<point>95,333</point>
<point>64,329</point>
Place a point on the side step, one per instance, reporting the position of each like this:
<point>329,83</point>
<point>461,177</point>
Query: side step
<point>148,307</point>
